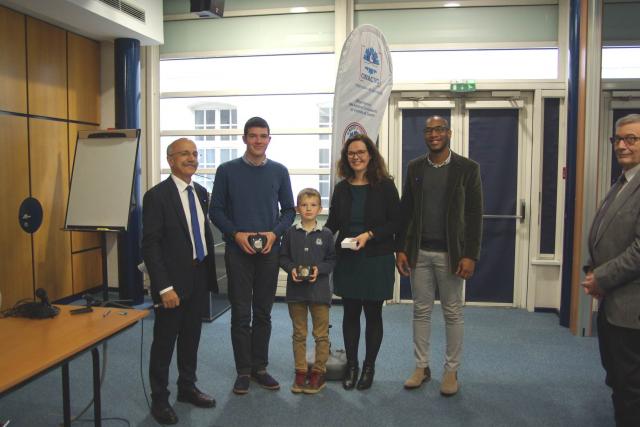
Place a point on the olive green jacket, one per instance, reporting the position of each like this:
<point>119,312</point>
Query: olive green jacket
<point>463,205</point>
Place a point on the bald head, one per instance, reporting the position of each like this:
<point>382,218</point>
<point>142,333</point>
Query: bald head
<point>182,156</point>
<point>172,146</point>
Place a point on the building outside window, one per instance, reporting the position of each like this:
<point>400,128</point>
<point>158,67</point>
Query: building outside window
<point>207,158</point>
<point>229,120</point>
<point>205,119</point>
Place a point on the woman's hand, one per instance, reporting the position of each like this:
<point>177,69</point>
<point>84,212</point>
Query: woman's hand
<point>362,240</point>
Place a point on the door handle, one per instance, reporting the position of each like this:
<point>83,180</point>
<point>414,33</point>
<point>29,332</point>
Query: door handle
<point>521,216</point>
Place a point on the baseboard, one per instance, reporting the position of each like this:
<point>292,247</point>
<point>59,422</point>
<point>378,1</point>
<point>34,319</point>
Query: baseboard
<point>547,310</point>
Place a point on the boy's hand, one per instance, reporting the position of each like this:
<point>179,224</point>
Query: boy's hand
<point>314,274</point>
<point>294,276</point>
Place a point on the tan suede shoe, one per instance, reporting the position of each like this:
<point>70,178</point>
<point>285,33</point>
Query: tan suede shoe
<point>449,385</point>
<point>419,376</point>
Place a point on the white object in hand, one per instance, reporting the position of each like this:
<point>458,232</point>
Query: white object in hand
<point>349,243</point>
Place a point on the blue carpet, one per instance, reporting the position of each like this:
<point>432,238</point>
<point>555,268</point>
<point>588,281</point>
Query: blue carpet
<point>518,369</point>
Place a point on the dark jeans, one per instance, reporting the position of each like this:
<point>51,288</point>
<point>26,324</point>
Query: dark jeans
<point>182,325</point>
<point>620,355</point>
<point>351,329</point>
<point>252,289</point>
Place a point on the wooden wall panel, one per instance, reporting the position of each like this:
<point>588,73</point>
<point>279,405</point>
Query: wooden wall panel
<point>16,272</point>
<point>87,270</point>
<point>47,69</point>
<point>80,240</point>
<point>84,78</point>
<point>13,65</point>
<point>50,185</point>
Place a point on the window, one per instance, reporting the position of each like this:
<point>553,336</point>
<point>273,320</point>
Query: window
<point>222,106</point>
<point>228,120</point>
<point>503,64</point>
<point>227,154</point>
<point>323,158</point>
<point>549,177</point>
<point>325,115</point>
<point>323,188</point>
<point>205,119</point>
<point>206,180</point>
<point>621,62</point>
<point>207,158</point>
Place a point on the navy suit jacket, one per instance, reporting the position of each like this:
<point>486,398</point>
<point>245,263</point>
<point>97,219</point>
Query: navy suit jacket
<point>166,244</point>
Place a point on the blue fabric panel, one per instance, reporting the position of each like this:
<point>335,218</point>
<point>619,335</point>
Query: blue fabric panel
<point>493,143</point>
<point>549,176</point>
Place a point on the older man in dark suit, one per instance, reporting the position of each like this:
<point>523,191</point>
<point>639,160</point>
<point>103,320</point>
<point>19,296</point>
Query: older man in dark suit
<point>613,275</point>
<point>178,250</point>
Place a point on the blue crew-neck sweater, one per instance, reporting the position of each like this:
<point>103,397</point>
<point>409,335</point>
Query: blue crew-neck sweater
<point>246,198</point>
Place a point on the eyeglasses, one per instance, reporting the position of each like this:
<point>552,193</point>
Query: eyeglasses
<point>185,153</point>
<point>437,129</point>
<point>629,140</point>
<point>359,154</point>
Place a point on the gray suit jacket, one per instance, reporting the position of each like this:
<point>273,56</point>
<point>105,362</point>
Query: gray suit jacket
<point>614,251</point>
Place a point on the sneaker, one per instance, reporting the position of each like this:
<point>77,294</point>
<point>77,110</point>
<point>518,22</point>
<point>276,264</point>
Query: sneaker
<point>265,380</point>
<point>419,376</point>
<point>299,382</point>
<point>241,385</point>
<point>449,385</point>
<point>316,383</point>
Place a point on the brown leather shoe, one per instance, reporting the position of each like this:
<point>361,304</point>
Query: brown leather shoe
<point>163,413</point>
<point>196,398</point>
<point>449,385</point>
<point>419,376</point>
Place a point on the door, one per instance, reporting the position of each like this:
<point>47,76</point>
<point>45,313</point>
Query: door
<point>495,134</point>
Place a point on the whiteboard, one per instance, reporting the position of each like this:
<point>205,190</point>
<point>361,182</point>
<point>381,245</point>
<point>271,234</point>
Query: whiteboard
<point>102,180</point>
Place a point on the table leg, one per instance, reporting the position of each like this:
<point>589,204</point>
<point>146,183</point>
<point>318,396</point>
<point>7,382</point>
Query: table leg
<point>97,412</point>
<point>66,403</point>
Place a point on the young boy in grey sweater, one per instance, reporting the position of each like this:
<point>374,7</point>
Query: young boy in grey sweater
<point>308,255</point>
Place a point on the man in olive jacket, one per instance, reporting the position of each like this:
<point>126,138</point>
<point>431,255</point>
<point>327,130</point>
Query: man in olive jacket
<point>439,244</point>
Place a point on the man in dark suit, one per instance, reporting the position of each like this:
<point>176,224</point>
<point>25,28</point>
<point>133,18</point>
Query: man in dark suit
<point>178,251</point>
<point>439,244</point>
<point>613,275</point>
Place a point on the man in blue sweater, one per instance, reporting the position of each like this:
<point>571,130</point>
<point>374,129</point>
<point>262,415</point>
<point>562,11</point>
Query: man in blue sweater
<point>244,204</point>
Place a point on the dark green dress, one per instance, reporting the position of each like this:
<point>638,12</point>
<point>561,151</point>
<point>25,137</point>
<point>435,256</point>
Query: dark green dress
<point>357,275</point>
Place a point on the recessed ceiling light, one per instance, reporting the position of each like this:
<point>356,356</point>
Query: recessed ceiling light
<point>452,4</point>
<point>298,10</point>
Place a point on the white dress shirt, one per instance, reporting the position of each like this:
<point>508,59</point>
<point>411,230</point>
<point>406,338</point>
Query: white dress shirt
<point>184,198</point>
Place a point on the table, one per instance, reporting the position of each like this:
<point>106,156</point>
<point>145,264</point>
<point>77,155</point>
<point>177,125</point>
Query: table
<point>33,347</point>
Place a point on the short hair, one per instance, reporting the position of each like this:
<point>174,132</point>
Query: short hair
<point>627,120</point>
<point>308,192</point>
<point>376,169</point>
<point>256,122</point>
<point>170,146</point>
<point>436,117</point>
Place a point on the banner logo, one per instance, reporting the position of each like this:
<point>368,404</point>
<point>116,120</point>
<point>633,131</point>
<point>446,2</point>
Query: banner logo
<point>353,129</point>
<point>370,65</point>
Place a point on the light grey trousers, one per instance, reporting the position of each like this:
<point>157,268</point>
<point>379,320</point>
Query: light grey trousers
<point>431,271</point>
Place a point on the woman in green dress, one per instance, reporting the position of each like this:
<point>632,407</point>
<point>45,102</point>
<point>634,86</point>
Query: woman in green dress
<point>365,207</point>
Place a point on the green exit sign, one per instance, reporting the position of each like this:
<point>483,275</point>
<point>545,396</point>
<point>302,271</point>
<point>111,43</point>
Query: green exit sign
<point>463,86</point>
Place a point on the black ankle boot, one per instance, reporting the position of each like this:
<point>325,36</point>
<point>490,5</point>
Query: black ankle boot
<point>366,379</point>
<point>350,377</point>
